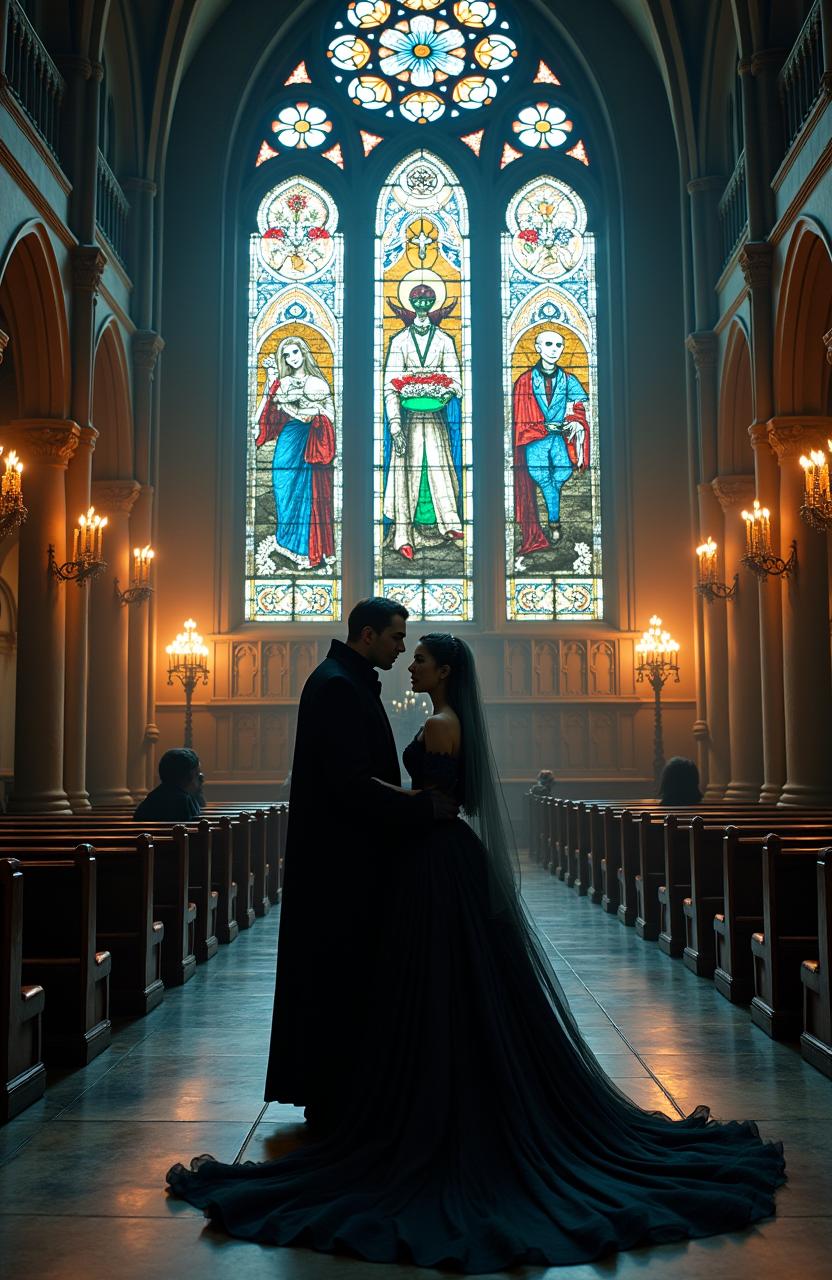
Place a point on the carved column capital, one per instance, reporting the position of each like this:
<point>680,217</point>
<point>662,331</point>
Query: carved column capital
<point>5,340</point>
<point>88,263</point>
<point>755,263</point>
<point>51,441</point>
<point>789,440</point>
<point>147,345</point>
<point>734,491</point>
<point>702,344</point>
<point>75,65</point>
<point>758,434</point>
<point>96,72</point>
<point>767,60</point>
<point>709,182</point>
<point>140,184</point>
<point>110,496</point>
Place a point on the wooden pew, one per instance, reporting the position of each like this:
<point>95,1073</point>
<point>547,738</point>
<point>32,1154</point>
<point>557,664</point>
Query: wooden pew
<point>742,911</point>
<point>788,937</point>
<point>816,977</point>
<point>22,1073</point>
<point>60,954</point>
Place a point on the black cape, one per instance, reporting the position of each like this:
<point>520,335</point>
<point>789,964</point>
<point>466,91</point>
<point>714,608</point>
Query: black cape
<point>343,828</point>
<point>168,803</point>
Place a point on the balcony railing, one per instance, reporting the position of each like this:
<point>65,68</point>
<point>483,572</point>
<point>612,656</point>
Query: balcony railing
<point>111,209</point>
<point>801,76</point>
<point>33,77</point>
<point>733,210</point>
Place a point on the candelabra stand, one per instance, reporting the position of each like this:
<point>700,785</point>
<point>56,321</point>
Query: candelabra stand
<point>11,518</point>
<point>659,662</point>
<point>12,511</point>
<point>718,590</point>
<point>767,565</point>
<point>87,565</point>
<point>816,510</point>
<point>190,675</point>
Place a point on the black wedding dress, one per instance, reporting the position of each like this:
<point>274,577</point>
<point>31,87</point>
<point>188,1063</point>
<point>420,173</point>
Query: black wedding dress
<point>481,1132</point>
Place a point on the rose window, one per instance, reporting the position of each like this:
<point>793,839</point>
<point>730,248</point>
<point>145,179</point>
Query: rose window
<point>422,57</point>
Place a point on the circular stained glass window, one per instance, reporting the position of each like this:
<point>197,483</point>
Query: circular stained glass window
<point>426,57</point>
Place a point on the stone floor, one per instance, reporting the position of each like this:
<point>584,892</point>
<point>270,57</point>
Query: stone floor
<point>82,1172</point>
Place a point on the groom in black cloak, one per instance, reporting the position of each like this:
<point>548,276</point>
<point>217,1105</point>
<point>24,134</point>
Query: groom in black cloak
<point>345,824</point>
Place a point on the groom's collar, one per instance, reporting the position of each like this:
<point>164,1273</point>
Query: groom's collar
<point>355,664</point>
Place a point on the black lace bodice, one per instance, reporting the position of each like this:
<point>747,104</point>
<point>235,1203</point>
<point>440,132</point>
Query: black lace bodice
<point>431,768</point>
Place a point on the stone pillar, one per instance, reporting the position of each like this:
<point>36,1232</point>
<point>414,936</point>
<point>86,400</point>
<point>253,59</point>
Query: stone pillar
<point>826,36</point>
<point>137,740</point>
<point>716,662</point>
<point>46,446</point>
<point>767,481</point>
<point>109,629</point>
<point>4,24</point>
<point>807,672</point>
<point>147,345</point>
<point>744,710</point>
<point>77,634</point>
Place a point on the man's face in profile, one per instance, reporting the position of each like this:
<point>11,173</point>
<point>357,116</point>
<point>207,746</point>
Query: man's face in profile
<point>388,644</point>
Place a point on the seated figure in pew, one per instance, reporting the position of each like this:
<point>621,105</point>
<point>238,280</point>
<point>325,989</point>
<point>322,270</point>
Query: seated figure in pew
<point>679,783</point>
<point>176,797</point>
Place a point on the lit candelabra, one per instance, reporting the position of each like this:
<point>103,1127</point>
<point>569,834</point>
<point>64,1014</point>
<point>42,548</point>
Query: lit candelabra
<point>188,662</point>
<point>12,511</point>
<point>87,551</point>
<point>140,588</point>
<point>657,661</point>
<point>708,584</point>
<point>816,510</point>
<point>759,556</point>
<point>407,716</point>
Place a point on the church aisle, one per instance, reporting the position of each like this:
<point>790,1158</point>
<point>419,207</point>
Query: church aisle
<point>81,1173</point>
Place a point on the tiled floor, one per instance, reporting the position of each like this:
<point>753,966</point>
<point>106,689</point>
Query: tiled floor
<point>82,1172</point>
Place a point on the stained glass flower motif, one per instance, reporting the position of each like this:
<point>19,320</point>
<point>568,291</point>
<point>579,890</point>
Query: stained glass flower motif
<point>542,125</point>
<point>368,13</point>
<point>301,125</point>
<point>474,91</point>
<point>475,13</point>
<point>422,5</point>
<point>416,50</point>
<point>422,106</point>
<point>495,52</point>
<point>349,53</point>
<point>371,92</point>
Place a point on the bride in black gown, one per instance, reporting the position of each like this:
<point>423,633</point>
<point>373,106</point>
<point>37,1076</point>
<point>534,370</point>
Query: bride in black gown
<point>481,1133</point>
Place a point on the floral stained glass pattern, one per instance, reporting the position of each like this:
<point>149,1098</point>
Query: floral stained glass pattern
<point>542,125</point>
<point>422,495</point>
<point>419,48</point>
<point>301,125</point>
<point>293,527</point>
<point>552,480</point>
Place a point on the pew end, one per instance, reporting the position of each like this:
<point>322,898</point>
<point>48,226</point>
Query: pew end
<point>22,1070</point>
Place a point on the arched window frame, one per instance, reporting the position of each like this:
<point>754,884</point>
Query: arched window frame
<point>489,188</point>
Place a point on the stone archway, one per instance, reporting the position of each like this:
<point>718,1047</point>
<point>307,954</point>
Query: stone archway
<point>736,407</point>
<point>32,301</point>
<point>802,374</point>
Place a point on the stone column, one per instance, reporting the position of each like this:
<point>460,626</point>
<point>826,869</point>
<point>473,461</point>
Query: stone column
<point>767,480</point>
<point>4,23</point>
<point>46,446</point>
<point>807,672</point>
<point>137,740</point>
<point>744,709</point>
<point>716,662</point>
<point>77,634</point>
<point>109,629</point>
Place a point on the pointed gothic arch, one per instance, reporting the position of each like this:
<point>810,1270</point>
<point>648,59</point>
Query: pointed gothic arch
<point>802,375</point>
<point>112,414</point>
<point>736,407</point>
<point>32,299</point>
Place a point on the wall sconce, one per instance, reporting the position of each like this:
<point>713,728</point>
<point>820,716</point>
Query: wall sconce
<point>12,511</point>
<point>658,661</point>
<point>188,662</point>
<point>708,584</point>
<point>87,551</point>
<point>759,557</point>
<point>816,510</point>
<point>140,588</point>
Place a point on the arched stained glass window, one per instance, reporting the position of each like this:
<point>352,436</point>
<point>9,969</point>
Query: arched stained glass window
<point>423,533</point>
<point>293,543</point>
<point>553,515</point>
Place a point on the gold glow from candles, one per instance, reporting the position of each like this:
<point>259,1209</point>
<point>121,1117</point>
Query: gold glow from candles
<point>706,554</point>
<point>142,561</point>
<point>657,648</point>
<point>10,484</point>
<point>816,474</point>
<point>188,649</point>
<point>88,537</point>
<point>757,531</point>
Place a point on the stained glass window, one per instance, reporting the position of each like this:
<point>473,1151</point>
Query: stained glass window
<point>423,531</point>
<point>553,514</point>
<point>293,530</point>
